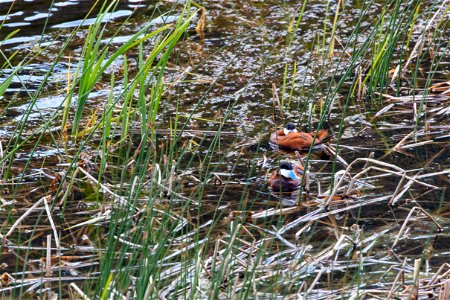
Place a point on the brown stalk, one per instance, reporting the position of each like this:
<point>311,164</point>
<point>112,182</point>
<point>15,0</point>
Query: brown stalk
<point>27,212</point>
<point>402,229</point>
<point>276,100</point>
<point>75,288</point>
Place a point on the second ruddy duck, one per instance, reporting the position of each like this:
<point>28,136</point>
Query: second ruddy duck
<point>289,138</point>
<point>288,178</point>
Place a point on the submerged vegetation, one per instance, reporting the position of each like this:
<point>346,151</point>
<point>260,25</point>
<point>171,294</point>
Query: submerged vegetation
<point>135,151</point>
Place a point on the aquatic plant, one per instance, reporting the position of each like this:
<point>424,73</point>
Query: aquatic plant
<point>156,186</point>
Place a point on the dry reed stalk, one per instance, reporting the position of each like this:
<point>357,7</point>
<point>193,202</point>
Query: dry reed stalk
<point>391,202</point>
<point>397,278</point>
<point>184,249</point>
<point>104,189</point>
<point>402,173</point>
<point>235,287</point>
<point>332,152</point>
<point>35,283</point>
<point>413,179</point>
<point>395,74</point>
<point>444,293</point>
<point>417,144</point>
<point>129,244</point>
<point>179,280</point>
<point>421,38</point>
<point>103,216</point>
<point>359,72</point>
<point>171,178</point>
<point>75,288</point>
<point>415,287</point>
<point>384,109</point>
<point>352,148</point>
<point>180,77</point>
<point>300,159</point>
<point>334,227</point>
<point>68,188</point>
<point>303,229</point>
<point>313,284</point>
<point>2,154</point>
<point>319,213</point>
<point>440,274</point>
<point>402,141</point>
<point>275,212</point>
<point>48,265</point>
<point>402,229</point>
<point>171,191</point>
<point>22,217</point>
<point>40,248</point>
<point>398,195</point>
<point>133,185</point>
<point>276,101</point>
<point>48,261</point>
<point>184,237</point>
<point>275,234</point>
<point>52,224</point>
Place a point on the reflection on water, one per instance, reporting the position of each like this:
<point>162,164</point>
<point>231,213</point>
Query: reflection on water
<point>235,68</point>
<point>32,16</point>
<point>107,18</point>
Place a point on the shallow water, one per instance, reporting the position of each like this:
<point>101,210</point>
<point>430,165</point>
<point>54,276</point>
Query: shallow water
<point>243,53</point>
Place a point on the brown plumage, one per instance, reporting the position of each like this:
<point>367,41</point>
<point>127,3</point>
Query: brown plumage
<point>297,140</point>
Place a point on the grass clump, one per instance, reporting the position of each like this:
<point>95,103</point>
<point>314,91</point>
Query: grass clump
<point>157,188</point>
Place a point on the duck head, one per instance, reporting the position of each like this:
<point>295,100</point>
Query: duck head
<point>287,171</point>
<point>290,127</point>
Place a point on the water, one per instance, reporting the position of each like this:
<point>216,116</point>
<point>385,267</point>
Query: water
<point>243,54</point>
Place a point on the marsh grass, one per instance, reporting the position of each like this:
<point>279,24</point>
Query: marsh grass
<point>140,234</point>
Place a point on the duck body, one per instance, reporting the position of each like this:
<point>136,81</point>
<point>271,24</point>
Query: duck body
<point>290,138</point>
<point>287,179</point>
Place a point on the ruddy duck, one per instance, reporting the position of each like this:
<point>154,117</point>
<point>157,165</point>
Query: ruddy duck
<point>290,138</point>
<point>287,178</point>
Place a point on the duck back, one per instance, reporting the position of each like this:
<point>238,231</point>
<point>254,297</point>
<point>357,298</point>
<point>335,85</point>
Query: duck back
<point>298,140</point>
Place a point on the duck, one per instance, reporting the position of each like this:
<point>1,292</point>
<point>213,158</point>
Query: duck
<point>289,138</point>
<point>288,178</point>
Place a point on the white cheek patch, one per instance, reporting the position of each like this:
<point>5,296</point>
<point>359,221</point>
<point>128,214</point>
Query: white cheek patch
<point>287,131</point>
<point>285,173</point>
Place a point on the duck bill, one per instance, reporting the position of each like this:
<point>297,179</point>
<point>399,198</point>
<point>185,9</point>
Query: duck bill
<point>289,174</point>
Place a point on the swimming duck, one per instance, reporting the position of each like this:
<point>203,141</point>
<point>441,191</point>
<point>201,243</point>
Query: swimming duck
<point>289,138</point>
<point>287,178</point>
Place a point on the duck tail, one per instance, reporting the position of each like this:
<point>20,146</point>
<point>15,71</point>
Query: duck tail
<point>323,136</point>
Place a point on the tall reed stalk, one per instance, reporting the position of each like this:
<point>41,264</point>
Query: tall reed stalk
<point>148,236</point>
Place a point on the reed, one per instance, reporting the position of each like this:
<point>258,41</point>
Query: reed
<point>130,204</point>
